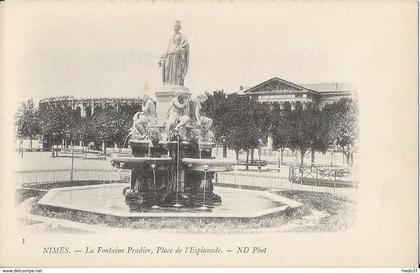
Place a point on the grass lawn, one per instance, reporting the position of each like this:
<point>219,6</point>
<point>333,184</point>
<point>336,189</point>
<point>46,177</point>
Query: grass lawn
<point>339,211</point>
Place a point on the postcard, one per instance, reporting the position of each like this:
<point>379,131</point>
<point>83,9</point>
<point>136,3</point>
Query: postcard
<point>209,134</point>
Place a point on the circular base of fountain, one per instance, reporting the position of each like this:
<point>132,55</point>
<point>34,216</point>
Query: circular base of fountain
<point>107,200</point>
<point>136,200</point>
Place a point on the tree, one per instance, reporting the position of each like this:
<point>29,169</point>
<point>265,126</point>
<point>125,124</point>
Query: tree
<point>27,121</point>
<point>342,119</point>
<point>56,120</point>
<point>262,119</point>
<point>84,130</point>
<point>111,125</point>
<point>309,131</point>
<point>243,133</point>
<point>280,129</point>
<point>105,125</point>
<point>216,107</point>
<point>248,123</point>
<point>238,121</point>
<point>300,136</point>
<point>319,128</point>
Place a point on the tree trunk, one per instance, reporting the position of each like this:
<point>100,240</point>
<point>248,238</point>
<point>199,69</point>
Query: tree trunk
<point>312,157</point>
<point>224,151</point>
<point>52,148</point>
<point>30,142</point>
<point>237,155</point>
<point>252,156</point>
<point>302,156</point>
<point>281,155</point>
<point>347,158</point>
<point>247,160</point>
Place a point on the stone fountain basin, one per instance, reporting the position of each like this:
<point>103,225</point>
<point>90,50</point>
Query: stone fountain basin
<point>131,160</point>
<point>213,165</point>
<point>107,200</point>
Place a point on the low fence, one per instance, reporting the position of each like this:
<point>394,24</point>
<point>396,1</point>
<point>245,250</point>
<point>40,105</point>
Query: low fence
<point>31,177</point>
<point>334,177</point>
<point>275,181</point>
<point>270,180</point>
<point>266,180</point>
<point>29,150</point>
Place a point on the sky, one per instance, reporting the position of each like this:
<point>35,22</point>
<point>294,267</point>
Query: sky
<point>112,49</point>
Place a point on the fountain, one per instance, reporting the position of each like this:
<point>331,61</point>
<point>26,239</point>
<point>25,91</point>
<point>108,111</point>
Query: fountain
<point>171,143</point>
<point>171,163</point>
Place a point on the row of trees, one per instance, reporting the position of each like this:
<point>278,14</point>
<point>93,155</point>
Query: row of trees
<point>54,123</point>
<point>240,123</point>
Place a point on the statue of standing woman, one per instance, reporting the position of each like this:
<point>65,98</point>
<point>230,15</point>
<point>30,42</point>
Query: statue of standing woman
<point>174,61</point>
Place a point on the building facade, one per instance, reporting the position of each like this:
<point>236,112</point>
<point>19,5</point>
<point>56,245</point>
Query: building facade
<point>276,90</point>
<point>88,106</point>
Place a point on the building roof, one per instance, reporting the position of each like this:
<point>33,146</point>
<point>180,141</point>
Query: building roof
<point>279,85</point>
<point>73,99</point>
<point>330,87</point>
<point>276,84</point>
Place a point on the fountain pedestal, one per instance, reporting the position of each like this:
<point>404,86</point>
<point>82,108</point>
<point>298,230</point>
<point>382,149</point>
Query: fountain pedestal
<point>164,99</point>
<point>174,174</point>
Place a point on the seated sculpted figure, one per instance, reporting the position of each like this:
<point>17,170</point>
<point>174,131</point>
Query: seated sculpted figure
<point>140,126</point>
<point>149,109</point>
<point>199,124</point>
<point>177,112</point>
<point>142,120</point>
<point>195,114</point>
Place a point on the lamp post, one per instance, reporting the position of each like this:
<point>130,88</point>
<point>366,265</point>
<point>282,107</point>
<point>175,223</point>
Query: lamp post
<point>21,147</point>
<point>203,206</point>
<point>178,154</point>
<point>224,150</point>
<point>259,154</point>
<point>72,158</point>
<point>334,146</point>
<point>56,150</point>
<point>52,144</point>
<point>155,206</point>
<point>68,135</point>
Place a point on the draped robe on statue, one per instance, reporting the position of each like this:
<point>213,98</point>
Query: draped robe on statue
<point>175,60</point>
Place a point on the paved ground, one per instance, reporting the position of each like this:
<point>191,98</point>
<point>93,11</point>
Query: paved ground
<point>44,160</point>
<point>270,180</point>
